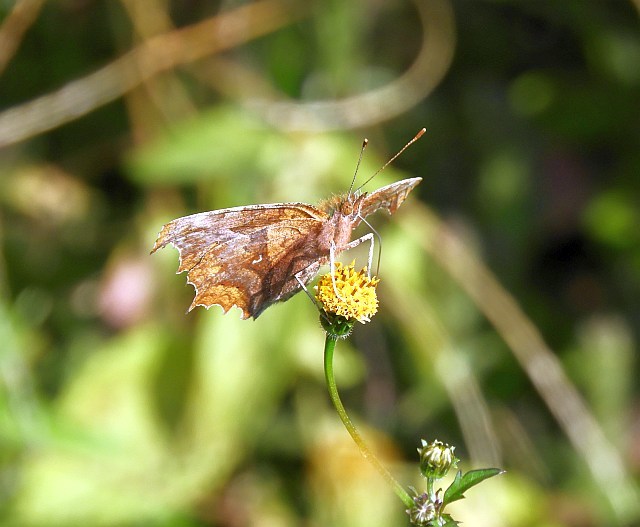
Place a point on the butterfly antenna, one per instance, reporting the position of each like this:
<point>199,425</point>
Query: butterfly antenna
<point>353,181</point>
<point>417,136</point>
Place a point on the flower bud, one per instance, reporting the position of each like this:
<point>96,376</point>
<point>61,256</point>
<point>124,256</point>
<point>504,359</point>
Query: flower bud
<point>436,459</point>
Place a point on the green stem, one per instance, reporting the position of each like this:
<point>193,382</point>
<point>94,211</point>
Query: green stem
<point>430,492</point>
<point>329,346</point>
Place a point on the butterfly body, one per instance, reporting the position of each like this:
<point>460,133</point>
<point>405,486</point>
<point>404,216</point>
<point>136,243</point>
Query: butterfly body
<point>256,255</point>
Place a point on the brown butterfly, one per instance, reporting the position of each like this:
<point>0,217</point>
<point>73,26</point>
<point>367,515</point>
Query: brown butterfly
<point>256,255</point>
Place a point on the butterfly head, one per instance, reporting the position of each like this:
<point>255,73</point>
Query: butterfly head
<point>353,203</point>
<point>344,205</point>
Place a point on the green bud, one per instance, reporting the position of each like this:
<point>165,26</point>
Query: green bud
<point>436,459</point>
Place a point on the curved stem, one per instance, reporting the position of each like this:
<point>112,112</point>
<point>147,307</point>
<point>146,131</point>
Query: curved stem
<point>329,346</point>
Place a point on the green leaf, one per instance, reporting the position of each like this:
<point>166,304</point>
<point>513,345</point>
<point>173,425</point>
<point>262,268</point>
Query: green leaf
<point>222,142</point>
<point>463,483</point>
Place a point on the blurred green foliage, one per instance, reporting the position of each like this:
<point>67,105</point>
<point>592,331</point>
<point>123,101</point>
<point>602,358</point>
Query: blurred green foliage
<point>117,408</point>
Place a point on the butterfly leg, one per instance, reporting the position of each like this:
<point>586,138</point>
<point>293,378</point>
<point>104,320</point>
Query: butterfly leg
<point>315,303</point>
<point>304,288</point>
<point>366,238</point>
<point>377,235</point>
<point>332,258</point>
<point>332,268</point>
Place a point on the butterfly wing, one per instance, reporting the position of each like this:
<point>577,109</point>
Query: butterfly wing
<point>389,197</point>
<point>244,256</point>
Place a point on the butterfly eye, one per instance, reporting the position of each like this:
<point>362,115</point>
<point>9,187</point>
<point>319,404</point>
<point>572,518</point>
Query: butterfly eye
<point>347,208</point>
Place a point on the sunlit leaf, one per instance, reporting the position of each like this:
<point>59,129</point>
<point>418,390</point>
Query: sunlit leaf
<point>462,483</point>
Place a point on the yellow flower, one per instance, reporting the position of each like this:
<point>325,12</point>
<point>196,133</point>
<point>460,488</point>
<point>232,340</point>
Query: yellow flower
<point>356,293</point>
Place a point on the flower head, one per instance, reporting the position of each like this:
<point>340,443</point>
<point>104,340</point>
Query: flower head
<point>423,511</point>
<point>354,294</point>
<point>346,296</point>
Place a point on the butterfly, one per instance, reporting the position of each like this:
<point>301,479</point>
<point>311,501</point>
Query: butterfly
<point>256,255</point>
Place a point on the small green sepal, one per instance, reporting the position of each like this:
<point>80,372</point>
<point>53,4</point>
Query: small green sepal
<point>336,326</point>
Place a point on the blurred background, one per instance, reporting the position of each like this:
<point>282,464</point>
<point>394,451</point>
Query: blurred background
<point>509,300</point>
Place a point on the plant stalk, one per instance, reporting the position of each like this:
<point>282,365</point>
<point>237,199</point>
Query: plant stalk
<point>329,346</point>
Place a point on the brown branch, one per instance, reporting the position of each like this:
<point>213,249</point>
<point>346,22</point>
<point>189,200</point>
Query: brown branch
<point>154,56</point>
<point>398,96</point>
<point>22,16</point>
